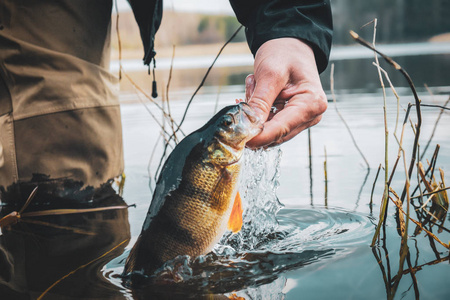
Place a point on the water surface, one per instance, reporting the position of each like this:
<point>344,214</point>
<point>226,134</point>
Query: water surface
<point>324,243</point>
<point>318,247</point>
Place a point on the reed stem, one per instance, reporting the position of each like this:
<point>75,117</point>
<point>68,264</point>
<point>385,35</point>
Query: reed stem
<point>326,177</point>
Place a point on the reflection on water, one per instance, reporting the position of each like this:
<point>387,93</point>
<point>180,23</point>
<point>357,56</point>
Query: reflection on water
<point>304,237</point>
<point>60,256</point>
<point>350,74</point>
<point>349,271</point>
<point>361,74</point>
<point>253,261</point>
<point>309,252</point>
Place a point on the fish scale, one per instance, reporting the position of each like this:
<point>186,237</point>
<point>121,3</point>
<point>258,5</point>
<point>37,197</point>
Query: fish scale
<point>195,192</point>
<point>205,198</point>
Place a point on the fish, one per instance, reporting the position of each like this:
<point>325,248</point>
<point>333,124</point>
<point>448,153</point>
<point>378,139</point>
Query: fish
<point>196,196</point>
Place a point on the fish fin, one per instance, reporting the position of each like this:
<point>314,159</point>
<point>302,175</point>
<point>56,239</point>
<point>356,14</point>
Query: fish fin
<point>235,221</point>
<point>220,196</point>
<point>131,259</point>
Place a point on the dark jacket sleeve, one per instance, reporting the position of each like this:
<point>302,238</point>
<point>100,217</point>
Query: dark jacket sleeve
<point>308,20</point>
<point>148,15</point>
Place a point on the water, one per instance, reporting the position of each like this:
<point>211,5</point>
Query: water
<point>338,53</point>
<point>320,248</point>
<point>427,63</point>
<point>317,248</point>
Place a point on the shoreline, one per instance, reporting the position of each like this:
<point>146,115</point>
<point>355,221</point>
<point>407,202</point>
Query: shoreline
<point>238,54</point>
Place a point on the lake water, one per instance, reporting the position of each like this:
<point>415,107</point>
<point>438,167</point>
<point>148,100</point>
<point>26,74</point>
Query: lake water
<point>343,224</point>
<point>320,248</point>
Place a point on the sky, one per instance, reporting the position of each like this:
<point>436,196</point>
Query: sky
<point>203,6</point>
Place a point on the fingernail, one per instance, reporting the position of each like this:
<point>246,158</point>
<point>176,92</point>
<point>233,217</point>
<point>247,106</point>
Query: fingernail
<point>249,86</point>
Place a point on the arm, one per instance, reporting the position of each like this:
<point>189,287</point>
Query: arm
<point>291,44</point>
<point>308,20</point>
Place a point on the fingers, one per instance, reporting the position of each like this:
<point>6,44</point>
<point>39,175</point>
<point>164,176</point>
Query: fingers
<point>264,94</point>
<point>268,139</point>
<point>285,91</point>
<point>266,84</point>
<point>301,112</point>
<point>296,131</point>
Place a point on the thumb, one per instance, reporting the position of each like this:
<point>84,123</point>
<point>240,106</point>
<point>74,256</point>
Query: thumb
<point>265,91</point>
<point>249,86</point>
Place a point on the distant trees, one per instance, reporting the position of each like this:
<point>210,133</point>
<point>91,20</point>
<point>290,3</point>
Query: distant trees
<point>398,20</point>
<point>183,28</point>
<point>214,29</point>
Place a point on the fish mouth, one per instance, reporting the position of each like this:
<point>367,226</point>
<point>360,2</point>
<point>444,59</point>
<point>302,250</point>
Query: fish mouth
<point>250,114</point>
<point>250,121</point>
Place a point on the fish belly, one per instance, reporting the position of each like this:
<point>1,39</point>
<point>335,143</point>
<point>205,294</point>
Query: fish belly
<point>193,218</point>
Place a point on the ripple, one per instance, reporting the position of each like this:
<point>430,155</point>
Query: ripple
<point>271,242</point>
<point>303,237</point>
<point>315,228</point>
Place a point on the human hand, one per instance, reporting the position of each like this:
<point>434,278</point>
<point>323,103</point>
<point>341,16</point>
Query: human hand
<point>286,78</point>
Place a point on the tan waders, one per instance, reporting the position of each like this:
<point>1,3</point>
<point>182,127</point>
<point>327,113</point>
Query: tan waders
<point>59,112</point>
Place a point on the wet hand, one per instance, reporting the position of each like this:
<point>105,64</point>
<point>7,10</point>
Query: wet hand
<point>285,90</point>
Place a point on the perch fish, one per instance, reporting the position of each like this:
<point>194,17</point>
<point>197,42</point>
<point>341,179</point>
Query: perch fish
<point>196,196</point>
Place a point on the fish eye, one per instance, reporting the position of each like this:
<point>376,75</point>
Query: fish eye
<point>227,120</point>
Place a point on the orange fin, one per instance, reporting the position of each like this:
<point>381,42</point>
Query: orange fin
<point>235,221</point>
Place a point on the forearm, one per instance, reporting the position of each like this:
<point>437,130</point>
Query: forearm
<point>309,21</point>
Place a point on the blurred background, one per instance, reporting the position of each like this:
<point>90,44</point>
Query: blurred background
<point>321,167</point>
<point>416,32</point>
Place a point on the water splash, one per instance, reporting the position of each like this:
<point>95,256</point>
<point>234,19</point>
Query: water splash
<point>253,260</point>
<point>271,291</point>
<point>259,182</point>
